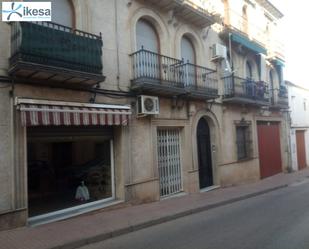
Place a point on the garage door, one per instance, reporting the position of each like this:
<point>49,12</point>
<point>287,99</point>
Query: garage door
<point>269,148</point>
<point>301,151</point>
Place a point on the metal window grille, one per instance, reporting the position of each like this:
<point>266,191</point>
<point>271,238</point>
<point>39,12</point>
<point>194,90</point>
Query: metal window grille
<point>169,161</point>
<point>243,141</point>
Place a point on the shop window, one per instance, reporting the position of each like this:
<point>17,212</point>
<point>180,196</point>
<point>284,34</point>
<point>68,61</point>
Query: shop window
<point>67,169</point>
<point>243,140</point>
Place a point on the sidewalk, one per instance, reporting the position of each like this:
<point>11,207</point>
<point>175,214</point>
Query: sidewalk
<point>82,230</point>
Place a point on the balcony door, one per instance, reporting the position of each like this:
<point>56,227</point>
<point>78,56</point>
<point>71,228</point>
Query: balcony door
<point>249,87</point>
<point>271,81</point>
<point>62,12</point>
<point>188,56</point>
<point>147,63</point>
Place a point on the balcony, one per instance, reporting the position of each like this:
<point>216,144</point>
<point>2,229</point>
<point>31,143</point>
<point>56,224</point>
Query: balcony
<point>49,53</point>
<point>251,35</point>
<point>280,98</point>
<point>245,91</point>
<point>193,11</point>
<point>158,74</point>
<point>198,14</point>
<point>166,4</point>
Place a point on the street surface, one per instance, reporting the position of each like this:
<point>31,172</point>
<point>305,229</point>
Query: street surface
<point>276,220</point>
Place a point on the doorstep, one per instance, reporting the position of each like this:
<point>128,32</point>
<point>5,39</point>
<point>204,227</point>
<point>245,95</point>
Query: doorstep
<point>213,187</point>
<point>71,212</point>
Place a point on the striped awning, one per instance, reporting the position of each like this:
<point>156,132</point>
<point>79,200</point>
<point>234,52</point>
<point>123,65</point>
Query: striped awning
<point>57,113</point>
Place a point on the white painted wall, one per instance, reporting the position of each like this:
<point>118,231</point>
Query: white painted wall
<point>299,107</point>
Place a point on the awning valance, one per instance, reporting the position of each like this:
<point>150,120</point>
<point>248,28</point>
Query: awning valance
<point>252,45</point>
<point>57,113</point>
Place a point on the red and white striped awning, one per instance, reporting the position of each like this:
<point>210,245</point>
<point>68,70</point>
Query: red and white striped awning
<point>56,113</point>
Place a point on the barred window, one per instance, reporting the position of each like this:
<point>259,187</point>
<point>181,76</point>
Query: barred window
<point>243,141</point>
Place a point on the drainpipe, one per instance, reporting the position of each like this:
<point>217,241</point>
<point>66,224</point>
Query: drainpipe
<point>288,128</point>
<point>117,46</point>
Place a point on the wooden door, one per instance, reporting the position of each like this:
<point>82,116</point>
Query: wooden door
<point>269,148</point>
<point>204,154</point>
<point>301,150</point>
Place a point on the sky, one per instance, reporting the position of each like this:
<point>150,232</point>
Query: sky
<point>295,36</point>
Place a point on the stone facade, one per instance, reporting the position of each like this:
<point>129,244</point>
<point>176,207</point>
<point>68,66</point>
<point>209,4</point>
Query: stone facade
<point>135,146</point>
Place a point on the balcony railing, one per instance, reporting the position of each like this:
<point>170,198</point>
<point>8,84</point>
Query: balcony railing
<point>175,76</point>
<point>199,78</point>
<point>53,45</point>
<point>281,100</point>
<point>200,13</point>
<point>242,90</point>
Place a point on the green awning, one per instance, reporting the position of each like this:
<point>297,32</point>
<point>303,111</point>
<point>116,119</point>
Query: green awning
<point>279,63</point>
<point>248,43</point>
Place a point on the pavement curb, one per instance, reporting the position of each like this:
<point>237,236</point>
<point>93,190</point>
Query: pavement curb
<point>142,225</point>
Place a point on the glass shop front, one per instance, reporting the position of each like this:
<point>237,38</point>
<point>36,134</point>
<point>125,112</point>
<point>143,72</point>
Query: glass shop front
<point>68,167</point>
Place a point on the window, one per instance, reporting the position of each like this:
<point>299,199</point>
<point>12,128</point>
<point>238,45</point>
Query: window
<point>68,167</point>
<point>147,61</point>
<point>245,19</point>
<point>146,36</point>
<point>188,55</point>
<point>248,70</point>
<point>243,141</point>
<point>62,12</point>
<point>187,50</point>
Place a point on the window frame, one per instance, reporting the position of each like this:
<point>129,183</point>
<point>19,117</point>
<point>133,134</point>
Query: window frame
<point>246,143</point>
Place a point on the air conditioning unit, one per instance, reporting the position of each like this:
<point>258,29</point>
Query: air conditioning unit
<point>218,52</point>
<point>147,105</point>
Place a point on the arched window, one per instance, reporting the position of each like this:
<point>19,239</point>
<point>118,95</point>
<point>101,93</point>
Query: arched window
<point>62,12</point>
<point>146,36</point>
<point>245,19</point>
<point>147,63</point>
<point>249,73</point>
<point>187,50</point>
<point>188,55</point>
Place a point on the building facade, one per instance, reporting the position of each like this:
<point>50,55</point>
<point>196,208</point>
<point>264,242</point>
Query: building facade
<point>299,114</point>
<point>137,101</point>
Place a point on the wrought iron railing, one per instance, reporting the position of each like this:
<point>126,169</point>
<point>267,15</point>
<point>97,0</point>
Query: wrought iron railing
<point>199,77</point>
<point>245,88</point>
<point>283,96</point>
<point>52,44</point>
<point>166,70</point>
<point>157,67</point>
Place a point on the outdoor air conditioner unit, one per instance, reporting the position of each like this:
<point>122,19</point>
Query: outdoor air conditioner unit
<point>218,52</point>
<point>147,105</point>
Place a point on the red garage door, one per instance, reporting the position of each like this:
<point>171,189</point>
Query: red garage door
<point>269,148</point>
<point>301,151</point>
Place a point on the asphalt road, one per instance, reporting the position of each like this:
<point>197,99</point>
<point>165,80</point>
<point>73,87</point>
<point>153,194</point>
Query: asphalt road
<point>279,219</point>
